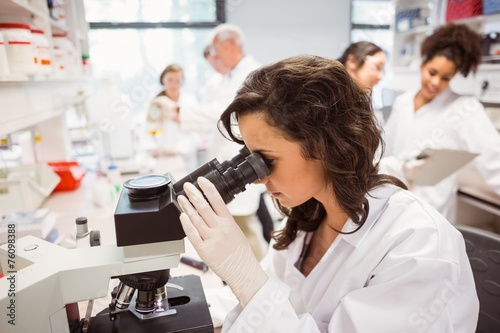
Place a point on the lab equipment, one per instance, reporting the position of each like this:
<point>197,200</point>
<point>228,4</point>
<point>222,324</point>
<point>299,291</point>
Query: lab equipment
<point>43,281</point>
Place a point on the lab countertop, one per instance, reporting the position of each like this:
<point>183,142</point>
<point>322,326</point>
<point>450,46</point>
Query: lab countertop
<point>472,186</point>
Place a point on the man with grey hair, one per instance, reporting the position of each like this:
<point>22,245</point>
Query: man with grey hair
<point>227,47</point>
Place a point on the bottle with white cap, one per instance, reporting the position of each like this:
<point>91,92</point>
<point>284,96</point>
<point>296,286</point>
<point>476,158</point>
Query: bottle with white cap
<point>42,48</point>
<point>19,47</point>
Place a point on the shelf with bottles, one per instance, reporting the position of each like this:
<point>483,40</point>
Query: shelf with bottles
<point>414,16</point>
<point>486,18</point>
<point>488,26</point>
<point>406,51</point>
<point>413,21</point>
<point>482,24</point>
<point>25,105</point>
<point>61,58</point>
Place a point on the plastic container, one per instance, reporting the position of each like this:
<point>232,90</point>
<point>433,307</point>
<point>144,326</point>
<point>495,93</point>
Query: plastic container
<point>19,47</point>
<point>71,175</point>
<point>43,58</point>
<point>66,59</point>
<point>458,9</point>
<point>26,187</point>
<point>4,63</point>
<point>491,6</point>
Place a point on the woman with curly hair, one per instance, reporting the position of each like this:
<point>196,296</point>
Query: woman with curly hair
<point>356,251</point>
<point>433,116</point>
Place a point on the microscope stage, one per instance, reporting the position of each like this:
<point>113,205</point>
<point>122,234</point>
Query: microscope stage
<point>192,313</point>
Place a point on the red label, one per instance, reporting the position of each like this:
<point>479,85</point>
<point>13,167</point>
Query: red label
<point>13,42</point>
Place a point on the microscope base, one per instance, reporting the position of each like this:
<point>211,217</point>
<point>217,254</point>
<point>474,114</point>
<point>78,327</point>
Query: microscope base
<point>192,313</point>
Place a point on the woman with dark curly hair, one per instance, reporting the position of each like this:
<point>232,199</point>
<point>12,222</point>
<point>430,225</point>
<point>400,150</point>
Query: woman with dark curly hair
<point>433,116</point>
<point>356,251</point>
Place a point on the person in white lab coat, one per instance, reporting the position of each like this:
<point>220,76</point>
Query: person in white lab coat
<point>357,252</point>
<point>365,62</point>
<point>168,119</point>
<point>227,51</point>
<point>433,116</point>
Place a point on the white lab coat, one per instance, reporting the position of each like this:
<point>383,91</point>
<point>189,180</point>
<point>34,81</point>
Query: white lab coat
<point>210,89</point>
<point>405,270</point>
<point>449,121</point>
<point>176,137</point>
<point>221,93</point>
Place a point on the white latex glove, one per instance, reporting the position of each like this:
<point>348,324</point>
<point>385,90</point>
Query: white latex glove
<point>412,168</point>
<point>219,241</point>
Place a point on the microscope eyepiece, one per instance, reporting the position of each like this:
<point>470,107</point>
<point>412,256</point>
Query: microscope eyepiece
<point>229,177</point>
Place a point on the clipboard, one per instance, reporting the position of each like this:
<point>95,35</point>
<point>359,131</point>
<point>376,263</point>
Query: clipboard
<point>441,164</point>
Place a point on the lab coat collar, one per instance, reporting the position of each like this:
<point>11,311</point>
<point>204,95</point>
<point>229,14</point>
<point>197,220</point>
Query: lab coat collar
<point>439,99</point>
<point>378,200</point>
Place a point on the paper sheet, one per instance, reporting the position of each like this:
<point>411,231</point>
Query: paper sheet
<point>441,164</point>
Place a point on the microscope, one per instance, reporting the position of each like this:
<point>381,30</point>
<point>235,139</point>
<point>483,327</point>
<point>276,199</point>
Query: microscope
<point>43,282</point>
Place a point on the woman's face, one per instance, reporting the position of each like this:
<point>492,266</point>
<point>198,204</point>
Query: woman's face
<point>172,82</point>
<point>436,76</point>
<point>293,179</point>
<point>370,73</point>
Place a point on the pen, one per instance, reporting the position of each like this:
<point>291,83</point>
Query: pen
<point>198,264</point>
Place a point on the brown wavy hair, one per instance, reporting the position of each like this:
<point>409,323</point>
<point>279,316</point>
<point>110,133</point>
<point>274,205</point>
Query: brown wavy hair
<point>314,102</point>
<point>359,51</point>
<point>458,43</point>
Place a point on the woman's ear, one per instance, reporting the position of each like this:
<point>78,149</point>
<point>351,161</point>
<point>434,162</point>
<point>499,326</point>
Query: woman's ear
<point>350,64</point>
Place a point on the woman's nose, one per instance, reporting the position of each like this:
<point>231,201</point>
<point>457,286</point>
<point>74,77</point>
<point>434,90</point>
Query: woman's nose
<point>435,81</point>
<point>380,75</point>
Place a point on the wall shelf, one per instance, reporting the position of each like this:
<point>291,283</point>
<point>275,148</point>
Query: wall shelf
<point>19,7</point>
<point>39,102</point>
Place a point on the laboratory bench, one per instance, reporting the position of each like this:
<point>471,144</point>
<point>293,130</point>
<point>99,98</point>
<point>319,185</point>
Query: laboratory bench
<point>478,204</point>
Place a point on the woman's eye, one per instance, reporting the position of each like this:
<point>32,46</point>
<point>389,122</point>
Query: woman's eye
<point>269,162</point>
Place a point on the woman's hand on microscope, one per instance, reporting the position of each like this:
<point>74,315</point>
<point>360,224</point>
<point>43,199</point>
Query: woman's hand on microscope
<point>219,241</point>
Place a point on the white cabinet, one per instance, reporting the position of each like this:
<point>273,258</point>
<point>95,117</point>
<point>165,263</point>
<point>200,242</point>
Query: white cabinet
<point>39,101</point>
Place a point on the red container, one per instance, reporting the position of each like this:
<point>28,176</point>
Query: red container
<point>71,175</point>
<point>458,9</point>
